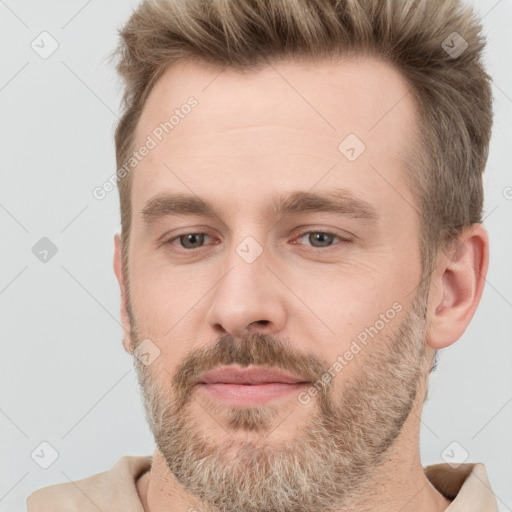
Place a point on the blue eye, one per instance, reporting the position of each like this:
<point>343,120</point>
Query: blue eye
<point>323,238</point>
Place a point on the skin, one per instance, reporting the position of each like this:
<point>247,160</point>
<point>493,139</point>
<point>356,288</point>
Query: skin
<point>277,130</point>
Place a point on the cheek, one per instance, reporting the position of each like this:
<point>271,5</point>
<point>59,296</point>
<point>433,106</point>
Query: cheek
<point>164,293</point>
<point>167,303</point>
<point>349,294</point>
<point>362,307</point>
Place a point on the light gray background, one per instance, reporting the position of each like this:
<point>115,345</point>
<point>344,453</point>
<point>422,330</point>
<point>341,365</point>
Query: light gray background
<point>64,376</point>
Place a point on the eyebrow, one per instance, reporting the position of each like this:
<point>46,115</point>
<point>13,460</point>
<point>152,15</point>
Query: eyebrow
<point>338,201</point>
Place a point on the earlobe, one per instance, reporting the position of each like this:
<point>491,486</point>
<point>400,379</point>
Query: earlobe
<point>459,284</point>
<point>118,270</point>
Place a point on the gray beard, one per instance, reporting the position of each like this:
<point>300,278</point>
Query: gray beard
<point>324,467</point>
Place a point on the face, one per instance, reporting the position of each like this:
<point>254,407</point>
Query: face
<point>274,267</point>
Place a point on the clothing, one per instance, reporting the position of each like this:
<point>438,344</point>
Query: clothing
<point>115,490</point>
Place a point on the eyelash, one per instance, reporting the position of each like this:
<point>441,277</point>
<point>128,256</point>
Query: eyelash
<point>302,235</point>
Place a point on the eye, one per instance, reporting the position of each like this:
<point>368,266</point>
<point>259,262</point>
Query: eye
<point>189,240</point>
<point>317,239</point>
<point>322,238</point>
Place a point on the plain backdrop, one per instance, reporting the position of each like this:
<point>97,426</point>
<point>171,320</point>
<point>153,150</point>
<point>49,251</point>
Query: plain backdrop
<point>65,379</point>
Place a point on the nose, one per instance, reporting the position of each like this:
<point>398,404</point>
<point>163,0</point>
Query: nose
<point>247,299</point>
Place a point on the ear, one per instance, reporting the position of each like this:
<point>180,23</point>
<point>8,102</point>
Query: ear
<point>457,285</point>
<point>125,318</point>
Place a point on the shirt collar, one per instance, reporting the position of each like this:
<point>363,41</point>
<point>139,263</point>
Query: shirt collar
<point>466,484</point>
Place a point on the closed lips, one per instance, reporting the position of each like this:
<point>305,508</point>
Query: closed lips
<point>249,376</point>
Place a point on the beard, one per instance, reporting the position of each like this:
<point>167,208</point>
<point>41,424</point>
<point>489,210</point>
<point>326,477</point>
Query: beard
<point>334,453</point>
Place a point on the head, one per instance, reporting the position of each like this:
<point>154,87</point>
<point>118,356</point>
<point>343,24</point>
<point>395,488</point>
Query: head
<point>249,128</point>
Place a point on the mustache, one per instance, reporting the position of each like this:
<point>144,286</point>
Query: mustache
<point>255,349</point>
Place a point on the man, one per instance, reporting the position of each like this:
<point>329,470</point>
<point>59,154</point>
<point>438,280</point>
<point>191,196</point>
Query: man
<point>301,202</point>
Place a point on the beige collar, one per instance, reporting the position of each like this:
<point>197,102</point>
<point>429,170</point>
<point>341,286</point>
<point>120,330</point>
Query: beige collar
<point>467,485</point>
<point>115,490</point>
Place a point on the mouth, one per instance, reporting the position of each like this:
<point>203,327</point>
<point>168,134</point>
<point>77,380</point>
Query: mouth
<point>249,386</point>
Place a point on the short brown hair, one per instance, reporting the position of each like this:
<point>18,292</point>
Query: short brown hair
<point>453,92</point>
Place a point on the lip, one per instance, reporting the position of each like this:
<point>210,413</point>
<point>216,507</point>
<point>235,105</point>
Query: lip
<point>247,376</point>
<point>248,386</point>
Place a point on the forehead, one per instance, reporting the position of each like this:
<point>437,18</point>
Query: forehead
<point>283,125</point>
